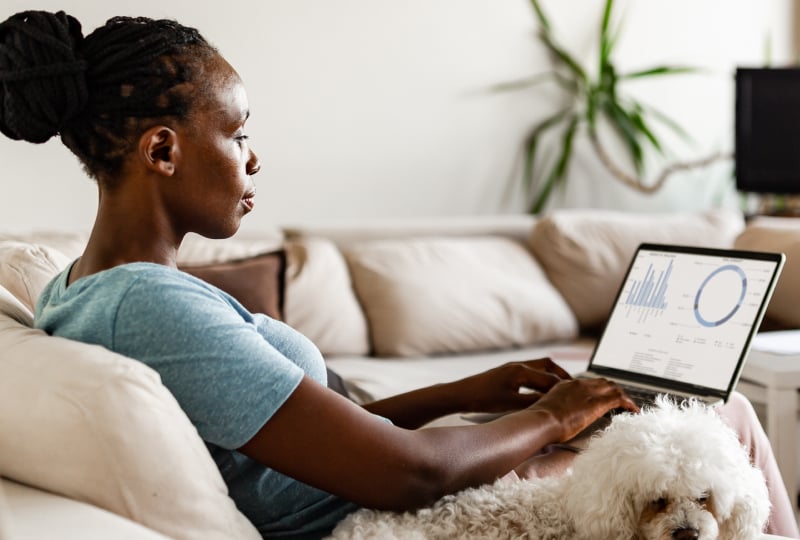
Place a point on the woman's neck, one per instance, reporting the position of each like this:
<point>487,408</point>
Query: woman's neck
<point>127,231</point>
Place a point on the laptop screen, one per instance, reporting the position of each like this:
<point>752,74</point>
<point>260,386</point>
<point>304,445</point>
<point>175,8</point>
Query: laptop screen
<point>687,314</point>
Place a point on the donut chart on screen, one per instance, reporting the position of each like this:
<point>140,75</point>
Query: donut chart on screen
<point>720,295</point>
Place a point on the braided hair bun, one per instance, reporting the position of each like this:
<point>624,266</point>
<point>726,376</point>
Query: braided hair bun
<point>100,91</point>
<point>42,75</point>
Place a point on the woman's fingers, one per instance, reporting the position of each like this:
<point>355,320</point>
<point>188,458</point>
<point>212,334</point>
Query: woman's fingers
<point>547,364</point>
<point>540,374</point>
<point>579,402</point>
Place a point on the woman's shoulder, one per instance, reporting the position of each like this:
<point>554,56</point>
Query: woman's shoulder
<point>136,283</point>
<point>166,283</point>
<point>136,293</point>
<point>145,275</point>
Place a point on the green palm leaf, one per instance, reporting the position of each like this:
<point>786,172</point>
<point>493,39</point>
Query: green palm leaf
<point>667,121</point>
<point>640,124</point>
<point>627,129</point>
<point>606,41</point>
<point>659,70</point>
<point>532,143</point>
<point>559,170</point>
<point>565,58</point>
<point>543,21</point>
<point>520,84</point>
<point>556,50</point>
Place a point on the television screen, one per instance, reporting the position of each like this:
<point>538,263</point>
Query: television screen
<point>768,130</point>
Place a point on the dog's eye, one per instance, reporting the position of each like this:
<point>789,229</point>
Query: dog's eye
<point>702,499</point>
<point>659,504</point>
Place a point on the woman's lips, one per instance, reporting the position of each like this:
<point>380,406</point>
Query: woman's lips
<point>249,201</point>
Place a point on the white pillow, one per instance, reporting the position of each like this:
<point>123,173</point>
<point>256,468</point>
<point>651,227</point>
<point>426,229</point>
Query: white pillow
<point>319,301</point>
<point>5,515</point>
<point>81,421</point>
<point>586,252</point>
<point>70,244</point>
<point>434,295</point>
<point>781,235</point>
<point>26,268</point>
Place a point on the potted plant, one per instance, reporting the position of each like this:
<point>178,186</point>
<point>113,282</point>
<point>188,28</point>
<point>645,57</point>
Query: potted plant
<point>596,99</point>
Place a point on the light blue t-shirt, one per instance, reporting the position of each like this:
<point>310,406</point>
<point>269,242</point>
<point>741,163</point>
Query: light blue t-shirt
<point>230,370</point>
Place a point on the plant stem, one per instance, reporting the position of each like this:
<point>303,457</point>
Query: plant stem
<point>639,184</point>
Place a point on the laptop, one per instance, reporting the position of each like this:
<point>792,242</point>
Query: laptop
<point>683,320</point>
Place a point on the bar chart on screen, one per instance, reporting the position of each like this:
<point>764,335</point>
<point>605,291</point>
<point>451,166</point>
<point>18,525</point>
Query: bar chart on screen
<point>646,294</point>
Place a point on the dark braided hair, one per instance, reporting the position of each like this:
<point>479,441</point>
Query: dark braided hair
<point>99,92</point>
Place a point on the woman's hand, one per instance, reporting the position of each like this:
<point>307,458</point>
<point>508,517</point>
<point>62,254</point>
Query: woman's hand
<point>493,391</point>
<point>577,403</point>
<point>499,389</point>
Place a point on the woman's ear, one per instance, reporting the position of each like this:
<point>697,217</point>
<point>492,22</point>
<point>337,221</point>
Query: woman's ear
<point>158,149</point>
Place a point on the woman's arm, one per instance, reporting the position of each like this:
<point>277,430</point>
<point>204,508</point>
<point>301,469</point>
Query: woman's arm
<point>496,390</point>
<point>329,442</point>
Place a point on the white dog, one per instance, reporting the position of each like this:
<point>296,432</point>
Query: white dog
<point>668,473</point>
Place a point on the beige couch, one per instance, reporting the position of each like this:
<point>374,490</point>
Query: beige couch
<point>92,445</point>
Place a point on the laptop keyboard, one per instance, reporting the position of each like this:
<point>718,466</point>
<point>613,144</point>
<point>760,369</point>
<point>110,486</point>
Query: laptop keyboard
<point>641,396</point>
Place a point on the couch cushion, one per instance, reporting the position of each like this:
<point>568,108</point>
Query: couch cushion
<point>26,268</point>
<point>256,282</point>
<point>586,252</point>
<point>81,421</point>
<point>319,301</point>
<point>434,295</point>
<point>5,513</point>
<point>66,518</point>
<point>780,235</point>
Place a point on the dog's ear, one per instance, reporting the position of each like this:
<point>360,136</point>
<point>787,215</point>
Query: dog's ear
<point>744,509</point>
<point>598,506</point>
<point>606,490</point>
<point>614,518</point>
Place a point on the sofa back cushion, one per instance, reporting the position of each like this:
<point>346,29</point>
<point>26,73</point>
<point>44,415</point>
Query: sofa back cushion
<point>319,301</point>
<point>431,295</point>
<point>81,421</point>
<point>585,252</point>
<point>256,282</point>
<point>780,235</point>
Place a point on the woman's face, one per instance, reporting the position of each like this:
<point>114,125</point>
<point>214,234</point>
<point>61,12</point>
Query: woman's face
<point>214,188</point>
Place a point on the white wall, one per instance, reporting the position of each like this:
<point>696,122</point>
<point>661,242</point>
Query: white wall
<point>366,108</point>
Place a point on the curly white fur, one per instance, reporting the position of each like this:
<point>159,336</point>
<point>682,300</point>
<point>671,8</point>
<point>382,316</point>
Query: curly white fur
<point>669,472</point>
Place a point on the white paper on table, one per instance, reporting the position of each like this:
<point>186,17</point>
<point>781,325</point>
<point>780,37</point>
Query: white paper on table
<point>778,342</point>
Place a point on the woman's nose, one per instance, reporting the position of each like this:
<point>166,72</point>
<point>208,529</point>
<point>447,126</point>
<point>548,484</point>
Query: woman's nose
<point>253,164</point>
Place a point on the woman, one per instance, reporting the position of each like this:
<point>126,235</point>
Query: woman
<point>157,117</point>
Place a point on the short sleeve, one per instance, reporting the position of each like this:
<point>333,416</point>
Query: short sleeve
<point>211,354</point>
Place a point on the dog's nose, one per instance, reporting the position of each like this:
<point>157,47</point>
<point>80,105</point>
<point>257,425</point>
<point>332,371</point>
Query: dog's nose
<point>685,534</point>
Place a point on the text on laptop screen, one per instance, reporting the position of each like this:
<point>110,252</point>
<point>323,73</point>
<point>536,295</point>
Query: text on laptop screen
<point>684,317</point>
